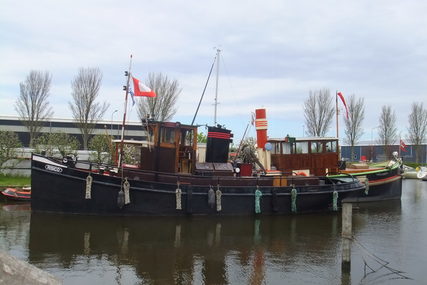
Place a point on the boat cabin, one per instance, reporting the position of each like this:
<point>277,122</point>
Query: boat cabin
<point>309,156</point>
<point>171,147</point>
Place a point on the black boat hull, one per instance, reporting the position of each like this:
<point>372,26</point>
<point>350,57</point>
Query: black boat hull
<point>58,188</point>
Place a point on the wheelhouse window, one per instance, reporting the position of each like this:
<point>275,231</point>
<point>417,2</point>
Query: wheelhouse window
<point>331,146</point>
<point>301,147</point>
<point>187,137</point>
<point>275,148</point>
<point>286,148</point>
<point>167,135</point>
<point>316,147</point>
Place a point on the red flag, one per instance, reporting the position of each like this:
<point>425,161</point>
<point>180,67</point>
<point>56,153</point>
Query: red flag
<point>142,90</point>
<point>402,146</point>
<point>345,104</point>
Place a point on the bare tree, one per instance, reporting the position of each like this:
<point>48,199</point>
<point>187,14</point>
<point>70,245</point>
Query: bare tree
<point>87,112</point>
<point>161,107</point>
<point>417,129</point>
<point>353,125</point>
<point>318,112</point>
<point>32,104</point>
<point>387,130</point>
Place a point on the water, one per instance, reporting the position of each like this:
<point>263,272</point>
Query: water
<point>302,249</point>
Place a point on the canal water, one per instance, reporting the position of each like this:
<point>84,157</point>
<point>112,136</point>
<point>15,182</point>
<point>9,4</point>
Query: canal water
<point>389,247</point>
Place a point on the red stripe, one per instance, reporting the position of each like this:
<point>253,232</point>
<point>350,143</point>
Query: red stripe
<point>384,179</point>
<point>218,135</point>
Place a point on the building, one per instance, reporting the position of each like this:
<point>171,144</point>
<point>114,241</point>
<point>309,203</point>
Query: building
<point>133,130</point>
<point>368,151</point>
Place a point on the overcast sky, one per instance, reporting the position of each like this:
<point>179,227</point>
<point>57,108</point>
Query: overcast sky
<point>273,54</point>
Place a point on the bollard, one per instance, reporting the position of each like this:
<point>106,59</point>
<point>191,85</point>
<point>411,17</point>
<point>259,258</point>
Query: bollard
<point>346,235</point>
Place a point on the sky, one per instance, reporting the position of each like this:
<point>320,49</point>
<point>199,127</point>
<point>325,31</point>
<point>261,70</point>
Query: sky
<point>272,54</point>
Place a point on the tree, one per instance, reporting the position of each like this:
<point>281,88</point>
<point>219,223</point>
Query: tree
<point>161,107</point>
<point>103,148</point>
<point>87,112</point>
<point>318,112</point>
<point>387,130</point>
<point>202,138</point>
<point>353,125</point>
<point>54,143</point>
<point>417,129</point>
<point>32,104</point>
<point>8,143</point>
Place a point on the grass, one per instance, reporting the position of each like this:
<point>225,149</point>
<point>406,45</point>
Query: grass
<point>9,180</point>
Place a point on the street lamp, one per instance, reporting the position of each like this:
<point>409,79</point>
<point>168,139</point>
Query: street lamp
<point>112,122</point>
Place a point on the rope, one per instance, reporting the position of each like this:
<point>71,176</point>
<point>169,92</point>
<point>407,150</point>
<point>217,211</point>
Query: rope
<point>258,195</point>
<point>335,201</point>
<point>294,200</point>
<point>211,197</point>
<point>126,186</point>
<point>178,193</point>
<point>218,194</point>
<point>89,180</point>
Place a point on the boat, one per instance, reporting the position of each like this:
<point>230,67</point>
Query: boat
<point>319,156</point>
<point>17,194</point>
<point>166,179</point>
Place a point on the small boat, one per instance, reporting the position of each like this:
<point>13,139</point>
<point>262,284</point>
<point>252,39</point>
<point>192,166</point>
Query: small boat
<point>17,194</point>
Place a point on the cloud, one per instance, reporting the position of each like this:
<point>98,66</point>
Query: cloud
<point>273,52</point>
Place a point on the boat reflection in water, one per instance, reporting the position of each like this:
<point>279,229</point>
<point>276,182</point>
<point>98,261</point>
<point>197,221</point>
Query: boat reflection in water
<point>187,250</point>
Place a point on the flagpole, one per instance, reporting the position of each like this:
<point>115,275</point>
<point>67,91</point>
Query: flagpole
<point>336,114</point>
<point>124,114</point>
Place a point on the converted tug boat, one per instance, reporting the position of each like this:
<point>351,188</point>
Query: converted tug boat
<point>168,180</point>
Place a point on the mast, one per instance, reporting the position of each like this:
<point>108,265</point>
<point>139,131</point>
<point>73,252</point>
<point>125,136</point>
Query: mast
<point>216,89</point>
<point>126,88</point>
<point>204,90</point>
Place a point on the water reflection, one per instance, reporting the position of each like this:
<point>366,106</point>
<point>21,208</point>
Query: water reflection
<point>171,250</point>
<point>228,250</point>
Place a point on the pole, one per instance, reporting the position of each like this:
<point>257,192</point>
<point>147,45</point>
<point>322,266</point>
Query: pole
<point>112,122</point>
<point>216,88</point>
<point>346,234</point>
<point>204,90</point>
<point>124,114</point>
<point>338,136</point>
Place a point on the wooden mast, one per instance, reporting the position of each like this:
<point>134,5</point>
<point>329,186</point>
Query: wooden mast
<point>126,88</point>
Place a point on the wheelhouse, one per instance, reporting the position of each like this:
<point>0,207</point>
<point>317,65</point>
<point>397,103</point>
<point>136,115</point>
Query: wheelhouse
<point>311,156</point>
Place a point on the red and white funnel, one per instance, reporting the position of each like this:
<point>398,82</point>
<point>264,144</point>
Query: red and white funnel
<point>261,127</point>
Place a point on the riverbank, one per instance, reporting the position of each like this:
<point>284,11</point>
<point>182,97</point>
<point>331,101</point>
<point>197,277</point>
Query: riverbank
<point>14,181</point>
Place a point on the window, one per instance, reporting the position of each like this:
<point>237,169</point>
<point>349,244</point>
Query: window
<point>167,135</point>
<point>301,147</point>
<point>316,147</point>
<point>286,148</point>
<point>187,137</point>
<point>331,146</point>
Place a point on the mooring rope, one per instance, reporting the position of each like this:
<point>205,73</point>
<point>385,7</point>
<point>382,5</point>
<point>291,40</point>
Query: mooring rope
<point>258,195</point>
<point>89,180</point>
<point>218,194</point>
<point>335,200</point>
<point>294,194</point>
<point>178,194</point>
<point>126,187</point>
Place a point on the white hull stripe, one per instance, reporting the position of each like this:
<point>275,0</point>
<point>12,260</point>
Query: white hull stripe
<point>47,161</point>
